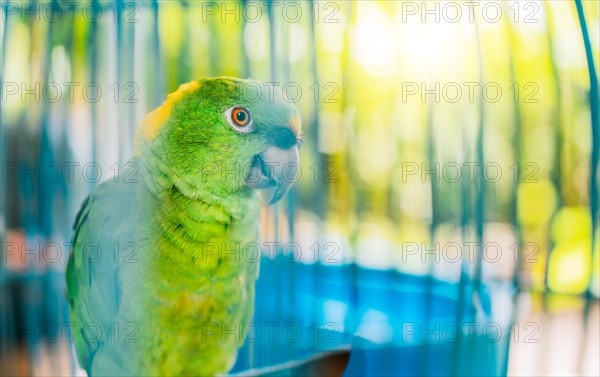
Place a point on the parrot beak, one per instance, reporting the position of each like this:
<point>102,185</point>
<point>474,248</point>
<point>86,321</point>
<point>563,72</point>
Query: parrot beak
<point>274,168</point>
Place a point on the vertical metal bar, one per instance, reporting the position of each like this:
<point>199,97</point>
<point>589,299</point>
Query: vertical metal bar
<point>516,142</point>
<point>245,61</point>
<point>594,100</point>
<point>126,86</point>
<point>319,200</point>
<point>432,227</point>
<point>31,200</point>
<point>3,153</point>
<point>184,60</point>
<point>67,186</point>
<point>157,72</point>
<point>479,151</point>
<point>272,40</point>
<point>213,48</point>
<point>121,62</point>
<point>131,87</point>
<point>556,173</point>
<point>46,192</point>
<point>66,152</point>
<point>476,293</point>
<point>274,210</point>
<point>9,343</point>
<point>350,322</point>
<point>319,192</point>
<point>514,216</point>
<point>285,52</point>
<point>93,64</point>
<point>595,125</point>
<point>290,201</point>
<point>46,156</point>
<point>23,152</point>
<point>465,208</point>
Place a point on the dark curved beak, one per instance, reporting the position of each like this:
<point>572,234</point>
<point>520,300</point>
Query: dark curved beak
<point>275,168</point>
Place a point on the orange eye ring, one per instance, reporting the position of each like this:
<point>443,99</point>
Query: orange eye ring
<point>240,116</point>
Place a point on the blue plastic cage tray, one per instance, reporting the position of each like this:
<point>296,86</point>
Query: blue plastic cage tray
<point>395,324</point>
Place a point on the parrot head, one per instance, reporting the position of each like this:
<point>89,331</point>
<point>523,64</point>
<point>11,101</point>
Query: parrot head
<point>222,136</point>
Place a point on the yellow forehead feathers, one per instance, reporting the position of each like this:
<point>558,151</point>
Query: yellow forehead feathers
<point>295,123</point>
<point>152,123</point>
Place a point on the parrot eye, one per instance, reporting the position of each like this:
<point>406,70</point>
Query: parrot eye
<point>239,118</point>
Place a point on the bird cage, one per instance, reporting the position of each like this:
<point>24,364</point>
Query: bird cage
<point>444,216</point>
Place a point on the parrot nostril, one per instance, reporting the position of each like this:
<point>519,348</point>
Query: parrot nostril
<point>282,137</point>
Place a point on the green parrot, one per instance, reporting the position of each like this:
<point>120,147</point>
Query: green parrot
<point>165,255</point>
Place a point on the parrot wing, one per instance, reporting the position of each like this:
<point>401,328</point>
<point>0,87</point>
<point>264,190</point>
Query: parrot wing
<point>105,236</point>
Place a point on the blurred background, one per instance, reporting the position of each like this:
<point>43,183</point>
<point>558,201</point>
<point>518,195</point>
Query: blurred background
<point>446,217</point>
